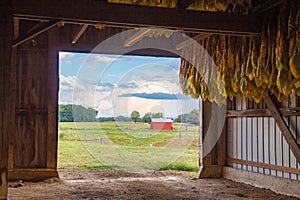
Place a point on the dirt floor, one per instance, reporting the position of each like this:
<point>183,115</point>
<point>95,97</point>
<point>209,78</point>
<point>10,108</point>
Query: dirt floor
<point>116,184</point>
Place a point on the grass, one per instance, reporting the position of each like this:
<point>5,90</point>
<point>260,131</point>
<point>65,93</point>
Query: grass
<point>72,154</point>
<point>84,145</point>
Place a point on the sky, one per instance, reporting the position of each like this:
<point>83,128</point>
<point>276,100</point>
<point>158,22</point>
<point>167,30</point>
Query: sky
<point>117,85</point>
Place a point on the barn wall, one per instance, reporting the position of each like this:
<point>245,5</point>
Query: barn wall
<point>161,125</point>
<point>259,140</point>
<point>6,106</point>
<point>33,147</point>
<point>93,36</point>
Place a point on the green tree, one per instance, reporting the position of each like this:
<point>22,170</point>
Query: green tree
<point>65,113</point>
<point>77,113</point>
<point>122,119</point>
<point>157,115</point>
<point>106,119</point>
<point>135,116</point>
<point>147,117</point>
<point>178,119</point>
<point>192,117</point>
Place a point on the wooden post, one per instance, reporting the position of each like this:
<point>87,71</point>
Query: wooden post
<point>212,119</point>
<point>6,32</point>
<point>52,98</point>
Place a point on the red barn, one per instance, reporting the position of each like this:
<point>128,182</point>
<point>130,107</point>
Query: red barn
<point>161,124</point>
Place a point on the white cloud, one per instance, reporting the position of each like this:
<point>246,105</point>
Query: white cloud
<point>92,58</point>
<point>170,108</point>
<point>143,86</point>
<point>142,79</point>
<point>67,82</point>
<point>65,55</point>
<point>106,59</point>
<point>106,97</point>
<point>105,105</point>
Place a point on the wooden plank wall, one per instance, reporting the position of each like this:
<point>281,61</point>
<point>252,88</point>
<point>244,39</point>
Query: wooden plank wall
<point>31,108</point>
<point>33,146</point>
<point>93,36</point>
<point>5,91</point>
<point>256,144</point>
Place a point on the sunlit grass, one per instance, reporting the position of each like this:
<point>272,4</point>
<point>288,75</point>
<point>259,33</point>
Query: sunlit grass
<point>137,139</point>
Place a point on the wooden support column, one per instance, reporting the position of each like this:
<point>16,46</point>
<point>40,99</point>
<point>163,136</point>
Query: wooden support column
<point>52,99</point>
<point>6,33</point>
<point>287,134</point>
<point>213,140</point>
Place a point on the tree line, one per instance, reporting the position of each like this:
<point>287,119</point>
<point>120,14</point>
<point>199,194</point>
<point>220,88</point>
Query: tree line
<point>78,113</point>
<point>192,117</point>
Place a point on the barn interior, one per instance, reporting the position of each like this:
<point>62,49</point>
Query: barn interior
<point>254,44</point>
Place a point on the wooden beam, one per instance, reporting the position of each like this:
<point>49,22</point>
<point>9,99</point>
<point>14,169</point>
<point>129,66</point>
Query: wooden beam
<point>262,112</point>
<point>35,27</point>
<point>265,6</point>
<point>139,16</point>
<point>136,37</point>
<point>249,113</point>
<point>191,41</point>
<point>80,33</point>
<point>31,174</point>
<point>183,4</point>
<point>16,28</point>
<point>287,134</point>
<point>117,50</point>
<point>6,95</point>
<point>36,32</point>
<point>53,87</point>
<point>264,165</point>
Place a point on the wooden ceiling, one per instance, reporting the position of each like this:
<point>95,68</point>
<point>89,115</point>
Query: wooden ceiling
<point>197,18</point>
<point>230,6</point>
<point>185,16</point>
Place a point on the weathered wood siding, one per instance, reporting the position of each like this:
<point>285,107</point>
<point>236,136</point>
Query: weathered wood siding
<point>31,108</point>
<point>259,140</point>
<point>6,107</point>
<point>33,147</point>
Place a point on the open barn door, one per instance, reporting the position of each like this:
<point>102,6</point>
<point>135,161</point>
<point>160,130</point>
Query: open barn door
<point>33,147</point>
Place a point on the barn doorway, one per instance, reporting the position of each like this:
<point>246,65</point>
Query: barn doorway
<point>106,105</point>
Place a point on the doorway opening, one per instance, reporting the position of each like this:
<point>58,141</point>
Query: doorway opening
<point>108,106</point>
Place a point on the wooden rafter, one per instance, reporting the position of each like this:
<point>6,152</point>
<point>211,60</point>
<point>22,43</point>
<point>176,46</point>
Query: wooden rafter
<point>267,5</point>
<point>191,40</point>
<point>138,16</point>
<point>36,26</point>
<point>183,4</point>
<point>80,33</point>
<point>287,134</point>
<point>46,26</point>
<point>136,37</point>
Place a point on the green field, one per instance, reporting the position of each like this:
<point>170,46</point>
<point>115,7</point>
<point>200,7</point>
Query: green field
<point>126,145</point>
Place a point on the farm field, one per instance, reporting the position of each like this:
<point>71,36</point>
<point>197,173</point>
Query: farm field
<point>125,145</point>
